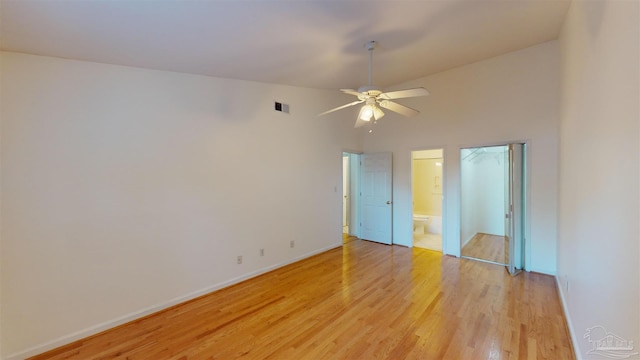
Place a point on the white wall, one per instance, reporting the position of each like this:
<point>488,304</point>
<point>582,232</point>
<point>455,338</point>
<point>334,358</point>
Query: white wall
<point>1,243</point>
<point>482,193</point>
<point>599,248</point>
<point>126,190</point>
<point>513,97</point>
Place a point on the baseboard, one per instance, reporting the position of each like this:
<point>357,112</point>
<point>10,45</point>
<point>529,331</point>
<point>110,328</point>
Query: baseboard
<point>565,310</point>
<point>50,345</point>
<point>467,241</point>
<point>540,271</point>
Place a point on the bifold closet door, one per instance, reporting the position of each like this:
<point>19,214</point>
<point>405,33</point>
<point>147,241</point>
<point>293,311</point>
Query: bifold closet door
<point>515,206</point>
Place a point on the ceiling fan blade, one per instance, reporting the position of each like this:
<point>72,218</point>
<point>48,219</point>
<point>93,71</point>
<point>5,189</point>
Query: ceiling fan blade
<point>404,93</point>
<point>351,92</point>
<point>342,107</point>
<point>400,109</point>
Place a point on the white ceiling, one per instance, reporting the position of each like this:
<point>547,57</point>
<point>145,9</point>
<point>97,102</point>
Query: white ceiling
<point>309,43</point>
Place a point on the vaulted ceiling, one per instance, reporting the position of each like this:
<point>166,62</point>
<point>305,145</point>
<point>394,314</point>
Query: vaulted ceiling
<point>308,43</point>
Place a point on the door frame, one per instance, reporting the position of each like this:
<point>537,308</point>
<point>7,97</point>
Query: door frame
<point>354,191</point>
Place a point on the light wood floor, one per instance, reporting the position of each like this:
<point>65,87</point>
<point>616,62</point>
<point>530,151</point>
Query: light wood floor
<point>428,241</point>
<point>347,238</point>
<point>361,301</point>
<point>486,247</point>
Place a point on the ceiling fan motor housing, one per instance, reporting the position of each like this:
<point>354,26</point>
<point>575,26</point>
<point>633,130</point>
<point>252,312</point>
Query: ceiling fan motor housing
<point>370,90</point>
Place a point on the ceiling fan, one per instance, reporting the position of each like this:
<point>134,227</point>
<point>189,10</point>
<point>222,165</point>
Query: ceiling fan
<point>374,99</point>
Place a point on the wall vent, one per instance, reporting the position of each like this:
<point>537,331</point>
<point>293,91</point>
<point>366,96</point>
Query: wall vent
<point>282,107</point>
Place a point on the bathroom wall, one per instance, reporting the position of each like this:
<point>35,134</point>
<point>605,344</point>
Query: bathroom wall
<point>427,186</point>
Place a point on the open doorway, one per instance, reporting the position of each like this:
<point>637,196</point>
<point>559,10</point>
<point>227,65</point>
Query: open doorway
<point>483,197</point>
<point>427,182</point>
<point>350,184</point>
<point>493,204</point>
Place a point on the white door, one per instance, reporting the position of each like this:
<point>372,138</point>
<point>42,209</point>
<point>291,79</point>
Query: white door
<point>376,222</point>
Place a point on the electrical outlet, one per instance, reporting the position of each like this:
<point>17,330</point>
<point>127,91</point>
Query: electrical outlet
<point>292,244</point>
<point>239,259</point>
<point>261,252</point>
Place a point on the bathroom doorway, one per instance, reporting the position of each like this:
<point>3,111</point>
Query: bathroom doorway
<point>427,182</point>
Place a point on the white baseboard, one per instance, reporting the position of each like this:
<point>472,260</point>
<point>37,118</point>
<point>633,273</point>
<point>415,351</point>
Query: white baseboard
<point>467,241</point>
<point>50,345</point>
<point>541,271</point>
<point>565,310</point>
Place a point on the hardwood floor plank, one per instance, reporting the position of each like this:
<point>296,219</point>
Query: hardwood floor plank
<point>486,247</point>
<point>361,301</point>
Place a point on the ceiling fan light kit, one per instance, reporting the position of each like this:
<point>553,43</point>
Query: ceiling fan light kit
<point>374,99</point>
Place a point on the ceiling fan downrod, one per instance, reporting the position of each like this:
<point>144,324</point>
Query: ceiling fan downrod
<point>370,46</point>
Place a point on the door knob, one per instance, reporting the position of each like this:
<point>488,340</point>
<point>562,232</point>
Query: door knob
<point>388,202</point>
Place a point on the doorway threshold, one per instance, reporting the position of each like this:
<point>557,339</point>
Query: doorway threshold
<point>483,260</point>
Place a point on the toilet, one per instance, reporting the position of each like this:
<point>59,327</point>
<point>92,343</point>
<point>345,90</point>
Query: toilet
<point>420,224</point>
